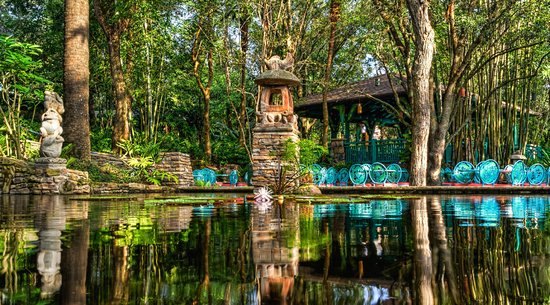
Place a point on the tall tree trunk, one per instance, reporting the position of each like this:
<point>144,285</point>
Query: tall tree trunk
<point>244,50</point>
<point>421,97</point>
<point>205,88</point>
<point>77,77</point>
<point>206,115</point>
<point>437,140</point>
<point>123,100</point>
<point>333,18</point>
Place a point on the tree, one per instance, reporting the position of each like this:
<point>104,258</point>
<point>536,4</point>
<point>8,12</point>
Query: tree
<point>468,49</point>
<point>201,45</point>
<point>20,88</point>
<point>244,21</point>
<point>334,16</point>
<point>422,95</point>
<point>414,42</point>
<point>76,77</point>
<point>114,18</point>
<point>470,36</point>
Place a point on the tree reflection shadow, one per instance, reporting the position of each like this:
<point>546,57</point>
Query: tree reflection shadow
<point>422,253</point>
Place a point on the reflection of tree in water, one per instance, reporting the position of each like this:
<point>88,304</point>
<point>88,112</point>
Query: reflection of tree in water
<point>13,239</point>
<point>204,286</point>
<point>422,261</point>
<point>353,252</point>
<point>442,260</point>
<point>275,250</point>
<point>505,261</point>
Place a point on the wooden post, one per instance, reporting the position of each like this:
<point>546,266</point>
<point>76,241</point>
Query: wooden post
<point>373,150</point>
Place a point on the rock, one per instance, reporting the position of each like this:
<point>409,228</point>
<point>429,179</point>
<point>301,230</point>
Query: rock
<point>308,189</point>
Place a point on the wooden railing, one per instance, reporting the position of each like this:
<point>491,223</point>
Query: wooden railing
<point>384,151</point>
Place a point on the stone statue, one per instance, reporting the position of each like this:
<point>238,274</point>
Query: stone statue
<point>51,141</point>
<point>276,63</point>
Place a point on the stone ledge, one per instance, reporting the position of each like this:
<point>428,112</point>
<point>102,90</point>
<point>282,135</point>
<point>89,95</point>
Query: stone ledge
<point>436,190</point>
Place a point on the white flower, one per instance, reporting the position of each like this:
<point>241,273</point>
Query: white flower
<point>263,198</point>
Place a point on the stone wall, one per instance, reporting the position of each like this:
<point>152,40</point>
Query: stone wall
<point>337,150</point>
<point>102,159</point>
<point>128,188</point>
<point>178,164</point>
<point>51,176</point>
<point>45,176</point>
<point>267,145</point>
<point>175,163</point>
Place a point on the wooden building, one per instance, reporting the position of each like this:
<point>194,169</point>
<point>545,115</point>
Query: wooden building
<point>364,128</point>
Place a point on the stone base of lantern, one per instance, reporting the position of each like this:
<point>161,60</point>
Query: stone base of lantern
<point>268,144</point>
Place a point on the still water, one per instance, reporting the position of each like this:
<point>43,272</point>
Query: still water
<point>464,250</point>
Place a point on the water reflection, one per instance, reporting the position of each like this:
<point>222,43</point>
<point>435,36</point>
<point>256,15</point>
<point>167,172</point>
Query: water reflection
<point>501,252</point>
<point>275,251</point>
<point>49,227</point>
<point>485,250</point>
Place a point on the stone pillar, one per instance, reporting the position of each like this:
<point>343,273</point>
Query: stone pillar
<point>51,176</point>
<point>178,164</point>
<point>267,146</point>
<point>276,122</point>
<point>337,150</point>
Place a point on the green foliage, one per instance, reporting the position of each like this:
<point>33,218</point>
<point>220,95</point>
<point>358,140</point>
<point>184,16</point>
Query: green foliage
<point>105,173</point>
<point>139,146</point>
<point>167,104</point>
<point>226,152</point>
<point>307,152</point>
<point>21,88</point>
<point>311,152</point>
<point>142,168</point>
<point>203,183</point>
<point>543,158</point>
<point>101,140</point>
<point>290,168</point>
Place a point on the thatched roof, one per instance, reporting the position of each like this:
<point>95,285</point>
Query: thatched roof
<point>378,86</point>
<point>362,91</point>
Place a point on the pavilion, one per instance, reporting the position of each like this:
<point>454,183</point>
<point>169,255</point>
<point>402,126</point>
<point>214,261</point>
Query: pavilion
<point>363,128</point>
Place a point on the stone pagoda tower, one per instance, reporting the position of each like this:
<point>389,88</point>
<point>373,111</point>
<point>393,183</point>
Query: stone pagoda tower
<point>275,120</point>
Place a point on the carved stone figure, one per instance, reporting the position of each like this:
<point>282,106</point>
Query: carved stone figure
<point>276,63</point>
<point>50,131</point>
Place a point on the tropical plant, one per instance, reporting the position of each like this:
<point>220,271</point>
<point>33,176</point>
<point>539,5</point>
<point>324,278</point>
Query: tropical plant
<point>202,183</point>
<point>20,90</point>
<point>143,169</point>
<point>543,158</point>
<point>139,147</point>
<point>290,169</point>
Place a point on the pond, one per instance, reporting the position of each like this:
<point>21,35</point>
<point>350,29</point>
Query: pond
<point>337,250</point>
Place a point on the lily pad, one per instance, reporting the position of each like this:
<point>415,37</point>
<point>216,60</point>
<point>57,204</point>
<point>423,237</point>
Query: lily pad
<point>105,198</point>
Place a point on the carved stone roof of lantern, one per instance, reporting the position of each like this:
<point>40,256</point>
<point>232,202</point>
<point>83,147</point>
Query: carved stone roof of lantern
<point>277,78</point>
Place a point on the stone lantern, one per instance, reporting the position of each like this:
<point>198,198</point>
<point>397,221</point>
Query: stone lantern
<point>275,120</point>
